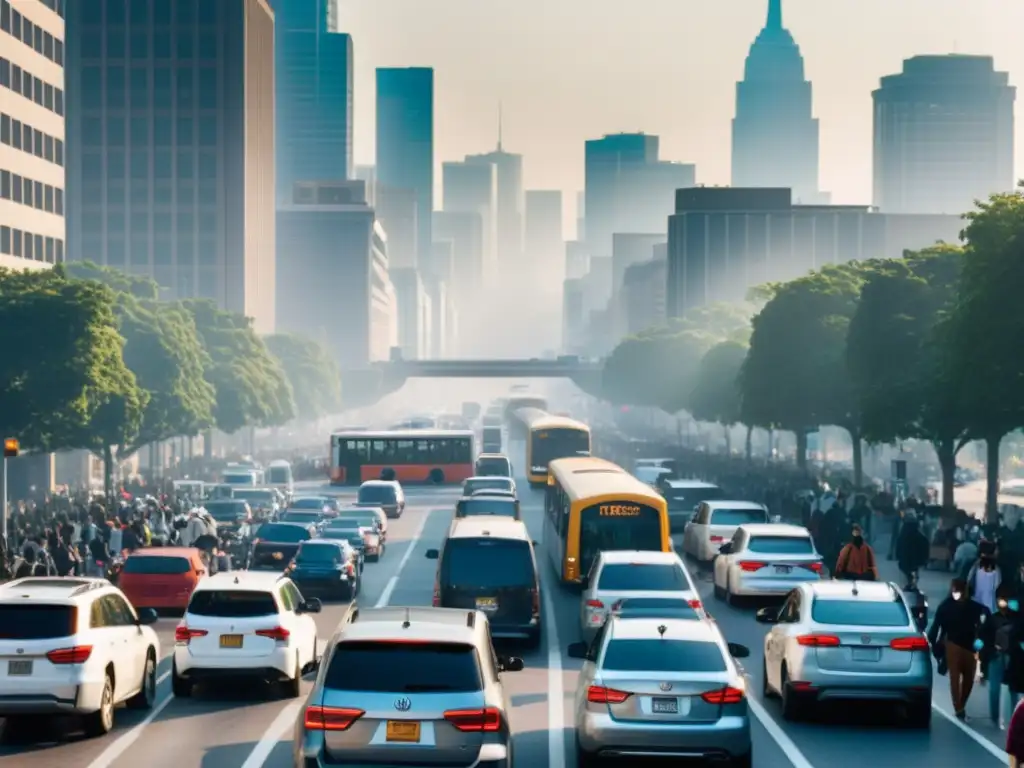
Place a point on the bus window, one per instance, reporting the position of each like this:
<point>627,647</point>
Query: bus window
<point>618,526</point>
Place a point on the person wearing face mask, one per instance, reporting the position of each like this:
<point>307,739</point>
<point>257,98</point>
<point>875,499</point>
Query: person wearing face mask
<point>955,636</point>
<point>995,657</point>
<point>984,580</point>
<point>857,560</point>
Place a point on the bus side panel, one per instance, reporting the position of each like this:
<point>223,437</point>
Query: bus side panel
<point>338,476</point>
<point>666,528</point>
<point>418,473</point>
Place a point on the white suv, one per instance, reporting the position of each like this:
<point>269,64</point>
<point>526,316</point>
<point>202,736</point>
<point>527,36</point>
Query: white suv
<point>253,624</point>
<point>71,646</point>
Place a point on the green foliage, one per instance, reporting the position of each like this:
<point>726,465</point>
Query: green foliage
<point>313,374</point>
<point>716,395</point>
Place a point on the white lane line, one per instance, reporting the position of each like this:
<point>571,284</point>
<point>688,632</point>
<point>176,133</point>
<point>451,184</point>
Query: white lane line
<point>278,729</point>
<point>108,756</point>
<point>385,596</point>
<point>984,743</point>
<point>793,754</point>
<point>556,688</point>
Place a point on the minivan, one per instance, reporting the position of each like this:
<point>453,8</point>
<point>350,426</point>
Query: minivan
<point>386,494</point>
<point>488,564</point>
<point>493,464</point>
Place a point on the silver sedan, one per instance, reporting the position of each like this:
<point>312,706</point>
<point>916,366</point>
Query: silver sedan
<point>765,560</point>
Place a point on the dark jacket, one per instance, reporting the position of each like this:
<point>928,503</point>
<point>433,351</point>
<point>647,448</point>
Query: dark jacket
<point>993,632</point>
<point>912,548</point>
<point>960,622</point>
<point>1013,675</point>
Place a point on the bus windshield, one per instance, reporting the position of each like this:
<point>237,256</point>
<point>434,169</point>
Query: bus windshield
<point>280,475</point>
<point>618,526</point>
<point>551,444</point>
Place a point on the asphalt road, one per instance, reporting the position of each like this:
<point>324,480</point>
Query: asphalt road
<point>240,728</point>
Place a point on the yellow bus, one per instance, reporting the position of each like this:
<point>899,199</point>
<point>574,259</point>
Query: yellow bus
<point>593,505</point>
<point>549,438</point>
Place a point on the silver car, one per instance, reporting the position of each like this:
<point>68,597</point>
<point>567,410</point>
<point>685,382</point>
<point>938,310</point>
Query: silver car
<point>661,688</point>
<point>408,687</point>
<point>619,575</point>
<point>846,640</point>
<point>764,560</point>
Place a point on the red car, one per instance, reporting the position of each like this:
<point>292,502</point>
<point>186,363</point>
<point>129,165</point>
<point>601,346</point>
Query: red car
<point>161,577</point>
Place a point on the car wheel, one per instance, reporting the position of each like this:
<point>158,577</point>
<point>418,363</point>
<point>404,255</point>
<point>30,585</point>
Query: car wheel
<point>347,593</point>
<point>919,715</point>
<point>730,598</point>
<point>719,592</point>
<point>180,687</point>
<point>21,730</point>
<point>586,759</point>
<point>766,690</point>
<point>101,722</point>
<point>146,696</point>
<point>792,707</point>
<point>292,687</point>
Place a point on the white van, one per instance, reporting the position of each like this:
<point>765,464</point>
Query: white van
<point>279,475</point>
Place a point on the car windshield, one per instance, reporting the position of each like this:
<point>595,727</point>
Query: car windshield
<point>379,494</point>
<point>781,545</point>
<point>282,534</point>
<point>226,511</point>
<point>279,475</point>
<point>318,554</point>
<point>860,613</point>
<point>36,622</point>
<point>308,502</point>
<point>738,516</point>
<point>156,565</point>
<point>487,563</point>
<point>404,668</point>
<point>663,656</point>
<point>232,604</point>
<point>641,577</point>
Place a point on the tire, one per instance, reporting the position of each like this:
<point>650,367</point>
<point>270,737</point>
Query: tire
<point>180,687</point>
<point>919,715</point>
<point>436,476</point>
<point>146,696</point>
<point>792,707</point>
<point>743,761</point>
<point>533,641</point>
<point>766,690</point>
<point>586,759</point>
<point>730,598</point>
<point>346,593</point>
<point>719,592</point>
<point>101,722</point>
<point>292,688</point>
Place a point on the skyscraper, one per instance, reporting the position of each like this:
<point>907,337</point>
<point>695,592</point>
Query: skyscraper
<point>774,133</point>
<point>943,135</point>
<point>313,69</point>
<point>472,188</point>
<point>405,141</point>
<point>543,239</point>
<point>171,145</point>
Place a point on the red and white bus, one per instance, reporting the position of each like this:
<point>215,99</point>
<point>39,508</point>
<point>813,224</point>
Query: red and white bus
<point>409,456</point>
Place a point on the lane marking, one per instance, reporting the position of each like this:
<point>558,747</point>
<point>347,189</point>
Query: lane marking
<point>779,736</point>
<point>991,748</point>
<point>556,688</point>
<point>278,729</point>
<point>108,756</point>
<point>385,596</point>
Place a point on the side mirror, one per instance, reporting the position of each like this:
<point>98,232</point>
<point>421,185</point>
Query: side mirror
<point>433,554</point>
<point>147,616</point>
<point>769,615</point>
<point>738,651</point>
<point>312,605</point>
<point>725,549</point>
<point>201,572</point>
<point>577,650</point>
<point>511,664</point>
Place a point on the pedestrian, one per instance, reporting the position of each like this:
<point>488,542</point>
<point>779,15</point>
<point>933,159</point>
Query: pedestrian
<point>912,548</point>
<point>997,634</point>
<point>857,559</point>
<point>1015,738</point>
<point>984,580</point>
<point>955,636</point>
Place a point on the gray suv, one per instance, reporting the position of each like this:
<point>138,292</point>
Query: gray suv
<point>408,687</point>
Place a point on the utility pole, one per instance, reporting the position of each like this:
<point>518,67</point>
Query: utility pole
<point>11,450</point>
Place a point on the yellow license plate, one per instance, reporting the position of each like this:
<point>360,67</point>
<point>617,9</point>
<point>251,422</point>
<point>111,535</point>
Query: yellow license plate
<point>405,731</point>
<point>486,603</point>
<point>230,641</point>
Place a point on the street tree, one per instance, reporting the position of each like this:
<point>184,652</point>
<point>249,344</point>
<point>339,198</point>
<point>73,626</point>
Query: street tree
<point>313,374</point>
<point>715,395</point>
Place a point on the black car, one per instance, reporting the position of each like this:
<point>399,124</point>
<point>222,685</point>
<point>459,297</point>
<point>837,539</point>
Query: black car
<point>480,503</point>
<point>324,567</point>
<point>350,531</point>
<point>231,515</point>
<point>275,544</point>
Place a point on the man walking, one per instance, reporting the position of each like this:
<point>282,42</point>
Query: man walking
<point>955,635</point>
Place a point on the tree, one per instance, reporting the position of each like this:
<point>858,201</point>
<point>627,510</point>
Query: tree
<point>251,389</point>
<point>715,395</point>
<point>313,374</point>
<point>794,376</point>
<point>984,330</point>
<point>898,362</point>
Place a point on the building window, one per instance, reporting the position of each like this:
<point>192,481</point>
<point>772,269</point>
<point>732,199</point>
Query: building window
<point>116,136</point>
<point>185,130</point>
<point>139,44</point>
<point>116,47</point>
<point>5,240</point>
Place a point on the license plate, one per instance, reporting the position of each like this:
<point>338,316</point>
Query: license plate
<point>230,641</point>
<point>487,603</point>
<point>278,556</point>
<point>19,668</point>
<point>783,569</point>
<point>665,706</point>
<point>403,731</point>
<point>866,654</point>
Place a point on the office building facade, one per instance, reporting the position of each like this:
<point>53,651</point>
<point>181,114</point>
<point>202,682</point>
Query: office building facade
<point>313,69</point>
<point>509,206</point>
<point>32,143</point>
<point>415,314</point>
<point>943,135</point>
<point>171,146</point>
<point>544,241</point>
<point>473,188</point>
<point>577,259</point>
<point>642,298</point>
<point>398,209</point>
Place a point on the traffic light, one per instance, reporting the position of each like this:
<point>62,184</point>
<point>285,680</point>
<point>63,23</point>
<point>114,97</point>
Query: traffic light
<point>11,448</point>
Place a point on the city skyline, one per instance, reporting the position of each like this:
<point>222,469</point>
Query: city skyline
<point>833,37</point>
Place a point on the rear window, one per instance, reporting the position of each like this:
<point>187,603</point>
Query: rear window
<point>688,498</point>
<point>308,504</point>
<point>499,507</point>
<point>404,668</point>
<point>381,494</point>
<point>310,554</point>
<point>487,563</point>
<point>738,516</point>
<point>860,613</point>
<point>157,566</point>
<point>36,622</point>
<point>667,655</point>
<point>497,483</point>
<point>226,511</point>
<point>282,534</point>
<point>781,545</point>
<point>240,478</point>
<point>301,517</point>
<point>354,521</point>
<point>232,604</point>
<point>627,577</point>
<point>256,497</point>
<point>279,474</point>
<point>495,466</point>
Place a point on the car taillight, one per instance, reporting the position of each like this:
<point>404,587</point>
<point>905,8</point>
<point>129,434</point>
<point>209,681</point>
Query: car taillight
<point>751,565</point>
<point>696,604</point>
<point>182,633</point>
<point>818,641</point>
<point>535,596</point>
<point>717,539</point>
<point>278,634</point>
<point>816,567</point>
<point>598,694</point>
<point>351,569</point>
<point>78,654</point>
<point>917,643</point>
<point>726,695</point>
<point>595,604</point>
<point>475,720</point>
<point>330,718</point>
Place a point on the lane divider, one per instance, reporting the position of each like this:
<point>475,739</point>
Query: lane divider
<point>108,756</point>
<point>389,589</point>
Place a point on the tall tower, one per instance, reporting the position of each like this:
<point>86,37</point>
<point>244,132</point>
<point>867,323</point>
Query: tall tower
<point>774,133</point>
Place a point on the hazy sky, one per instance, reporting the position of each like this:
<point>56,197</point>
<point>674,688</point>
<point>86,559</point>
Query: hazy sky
<point>569,70</point>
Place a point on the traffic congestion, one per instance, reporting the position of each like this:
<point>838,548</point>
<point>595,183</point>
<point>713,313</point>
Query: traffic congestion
<point>494,596</point>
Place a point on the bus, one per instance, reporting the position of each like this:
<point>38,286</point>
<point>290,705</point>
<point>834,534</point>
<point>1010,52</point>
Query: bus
<point>409,456</point>
<point>592,505</point>
<point>279,475</point>
<point>553,437</point>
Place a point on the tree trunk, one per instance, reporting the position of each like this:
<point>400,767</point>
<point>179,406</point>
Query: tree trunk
<point>858,458</point>
<point>771,445</point>
<point>750,444</point>
<point>992,445</point>
<point>945,452</point>
<point>727,432</point>
<point>801,449</point>
<point>108,476</point>
<point>208,445</point>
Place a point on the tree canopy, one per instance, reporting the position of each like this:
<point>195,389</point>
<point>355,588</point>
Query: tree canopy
<point>716,396</point>
<point>313,374</point>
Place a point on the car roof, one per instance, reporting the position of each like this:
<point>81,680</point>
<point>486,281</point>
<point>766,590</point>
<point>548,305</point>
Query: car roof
<point>494,493</point>
<point>587,477</point>
<point>688,484</point>
<point>165,552</point>
<point>487,525</point>
<point>489,478</point>
<point>629,628</point>
<point>871,591</point>
<point>321,542</point>
<point>441,625</point>
<point>382,483</point>
<point>492,456</point>
<point>619,556</point>
<point>63,590</point>
<point>241,581</point>
<point>782,530</point>
<point>734,504</point>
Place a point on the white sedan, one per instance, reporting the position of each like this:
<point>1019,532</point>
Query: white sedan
<point>765,560</point>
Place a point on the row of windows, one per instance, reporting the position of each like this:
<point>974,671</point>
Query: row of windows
<point>117,87</point>
<point>163,192</point>
<point>118,251</point>
<point>92,222</point>
<point>31,87</point>
<point>23,136</point>
<point>17,242</point>
<point>138,11</point>
<point>34,194</point>
<point>556,506</point>
<point>166,132</point>
<point>138,44</point>
<point>34,37</point>
<point>57,6</point>
<point>396,452</point>
<point>164,164</point>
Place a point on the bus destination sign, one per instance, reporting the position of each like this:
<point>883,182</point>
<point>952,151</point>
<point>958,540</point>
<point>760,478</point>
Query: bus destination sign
<point>620,510</point>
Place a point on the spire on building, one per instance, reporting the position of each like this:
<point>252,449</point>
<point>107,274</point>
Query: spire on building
<point>499,126</point>
<point>774,15</point>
